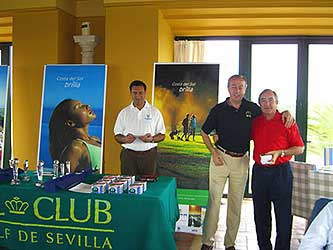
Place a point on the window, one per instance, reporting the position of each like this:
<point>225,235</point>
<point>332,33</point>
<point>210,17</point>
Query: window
<point>226,53</point>
<point>274,66</point>
<point>5,53</point>
<point>320,111</point>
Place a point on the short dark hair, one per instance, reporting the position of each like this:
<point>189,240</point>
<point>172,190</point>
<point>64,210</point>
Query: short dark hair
<point>268,90</point>
<point>138,83</point>
<point>237,77</point>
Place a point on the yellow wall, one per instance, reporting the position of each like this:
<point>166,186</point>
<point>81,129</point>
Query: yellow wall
<point>35,44</point>
<point>6,29</point>
<point>65,42</point>
<point>165,40</point>
<point>12,6</point>
<point>129,55</point>
<point>131,37</point>
<point>39,38</point>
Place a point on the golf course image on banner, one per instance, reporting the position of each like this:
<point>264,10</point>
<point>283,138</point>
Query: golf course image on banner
<point>185,93</point>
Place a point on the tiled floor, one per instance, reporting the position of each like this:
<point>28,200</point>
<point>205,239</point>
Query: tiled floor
<point>246,239</point>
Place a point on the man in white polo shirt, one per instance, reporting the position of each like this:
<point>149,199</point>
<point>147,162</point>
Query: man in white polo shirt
<point>138,128</point>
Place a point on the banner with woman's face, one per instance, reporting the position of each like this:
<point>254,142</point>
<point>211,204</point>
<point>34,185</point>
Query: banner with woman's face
<point>72,115</point>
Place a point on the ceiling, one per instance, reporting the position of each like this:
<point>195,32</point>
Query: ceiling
<point>78,8</point>
<point>238,21</point>
<point>217,18</point>
<point>6,29</point>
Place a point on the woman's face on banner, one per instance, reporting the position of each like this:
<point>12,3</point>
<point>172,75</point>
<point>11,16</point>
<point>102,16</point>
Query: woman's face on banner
<point>81,114</point>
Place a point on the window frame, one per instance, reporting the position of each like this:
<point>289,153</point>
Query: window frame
<point>5,53</point>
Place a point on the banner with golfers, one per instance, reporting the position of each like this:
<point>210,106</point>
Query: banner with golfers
<point>72,115</point>
<point>185,93</point>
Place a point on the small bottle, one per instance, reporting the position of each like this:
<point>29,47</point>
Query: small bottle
<point>62,169</point>
<point>55,169</point>
<point>315,168</point>
<point>15,174</point>
<point>40,172</point>
<point>68,167</point>
<point>26,177</point>
<point>13,163</point>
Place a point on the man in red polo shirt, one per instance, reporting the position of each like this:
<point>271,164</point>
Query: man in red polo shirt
<point>274,145</point>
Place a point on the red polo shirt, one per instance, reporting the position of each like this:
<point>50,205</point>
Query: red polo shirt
<point>271,135</point>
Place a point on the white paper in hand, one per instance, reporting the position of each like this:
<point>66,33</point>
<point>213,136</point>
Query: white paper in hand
<point>265,159</point>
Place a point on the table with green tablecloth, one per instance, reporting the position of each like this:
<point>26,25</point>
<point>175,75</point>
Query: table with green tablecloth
<point>31,218</point>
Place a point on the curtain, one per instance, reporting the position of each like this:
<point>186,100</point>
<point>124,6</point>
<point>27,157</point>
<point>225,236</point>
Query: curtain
<point>189,51</point>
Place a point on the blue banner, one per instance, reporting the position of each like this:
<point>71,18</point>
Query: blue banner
<point>4,80</point>
<point>69,89</point>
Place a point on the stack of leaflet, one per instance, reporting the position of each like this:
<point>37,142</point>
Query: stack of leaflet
<point>118,184</point>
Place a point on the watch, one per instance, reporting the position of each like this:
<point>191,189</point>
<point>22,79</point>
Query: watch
<point>283,153</point>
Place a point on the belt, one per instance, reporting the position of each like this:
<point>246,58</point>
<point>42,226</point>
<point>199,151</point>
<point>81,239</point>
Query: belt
<point>232,154</point>
<point>139,152</point>
<point>271,166</point>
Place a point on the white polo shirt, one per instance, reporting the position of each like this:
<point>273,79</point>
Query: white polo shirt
<point>137,122</point>
<point>320,232</point>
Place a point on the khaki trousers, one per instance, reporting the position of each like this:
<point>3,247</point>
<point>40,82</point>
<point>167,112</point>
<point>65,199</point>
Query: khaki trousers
<point>236,169</point>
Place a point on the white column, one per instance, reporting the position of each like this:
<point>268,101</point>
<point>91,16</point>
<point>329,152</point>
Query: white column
<point>87,44</point>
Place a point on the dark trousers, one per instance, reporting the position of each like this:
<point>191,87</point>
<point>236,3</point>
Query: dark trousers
<point>138,162</point>
<point>272,185</point>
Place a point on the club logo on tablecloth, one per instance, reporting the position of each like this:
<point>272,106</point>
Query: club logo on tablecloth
<point>92,231</point>
<point>16,206</point>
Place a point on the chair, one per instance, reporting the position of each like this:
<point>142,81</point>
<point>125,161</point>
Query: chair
<point>318,206</point>
<point>318,234</point>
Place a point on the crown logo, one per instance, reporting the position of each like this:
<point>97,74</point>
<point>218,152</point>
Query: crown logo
<point>16,206</point>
